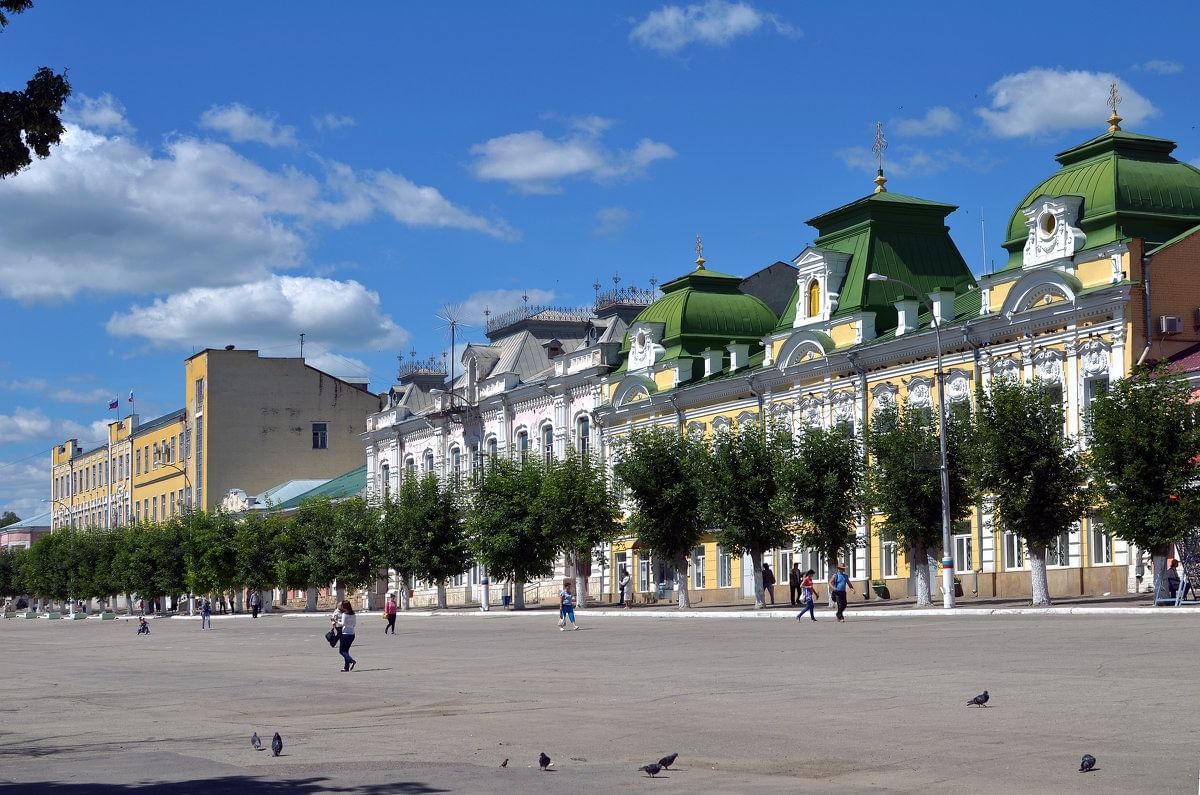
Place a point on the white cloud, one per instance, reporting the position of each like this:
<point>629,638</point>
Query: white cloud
<point>332,121</point>
<point>497,302</point>
<point>1160,67</point>
<point>1046,101</point>
<point>535,163</point>
<point>336,364</point>
<point>264,314</point>
<point>62,394</point>
<point>714,22</point>
<point>24,485</point>
<point>32,425</point>
<point>102,114</point>
<point>611,221</point>
<point>107,215</point>
<point>938,120</point>
<point>242,124</point>
<point>910,161</point>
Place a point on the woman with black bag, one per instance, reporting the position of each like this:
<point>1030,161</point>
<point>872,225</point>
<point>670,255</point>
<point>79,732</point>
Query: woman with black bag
<point>346,621</point>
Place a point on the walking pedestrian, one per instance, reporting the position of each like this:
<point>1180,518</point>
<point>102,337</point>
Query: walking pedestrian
<point>837,584</point>
<point>345,621</point>
<point>389,612</point>
<point>255,604</point>
<point>768,581</point>
<point>566,607</point>
<point>222,604</point>
<point>626,589</point>
<point>206,615</point>
<point>808,595</point>
<point>143,627</point>
<point>795,590</point>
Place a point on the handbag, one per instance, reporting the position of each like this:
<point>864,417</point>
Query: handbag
<point>332,637</point>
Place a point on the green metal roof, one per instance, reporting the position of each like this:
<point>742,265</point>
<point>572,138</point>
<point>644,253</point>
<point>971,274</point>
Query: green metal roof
<point>350,484</point>
<point>903,237</point>
<point>704,309</point>
<point>1130,185</point>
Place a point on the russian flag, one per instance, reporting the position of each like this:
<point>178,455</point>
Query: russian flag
<point>131,396</point>
<point>112,404</point>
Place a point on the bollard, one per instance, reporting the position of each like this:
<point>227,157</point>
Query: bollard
<point>485,595</point>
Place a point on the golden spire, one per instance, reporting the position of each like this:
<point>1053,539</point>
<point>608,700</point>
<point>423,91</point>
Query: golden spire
<point>878,147</point>
<point>1114,99</point>
<point>699,254</point>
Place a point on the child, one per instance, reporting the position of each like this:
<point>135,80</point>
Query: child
<point>566,607</point>
<point>143,627</point>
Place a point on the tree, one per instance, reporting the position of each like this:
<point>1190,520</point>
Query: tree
<point>1145,434</point>
<point>1022,457</point>
<point>211,558</point>
<point>743,494</point>
<point>505,532</point>
<point>45,566</point>
<point>394,544</point>
<point>12,571</point>
<point>314,524</point>
<point>8,518</point>
<point>438,547</point>
<point>822,486</point>
<point>254,540</point>
<point>906,485</point>
<point>290,556</point>
<point>577,511</point>
<point>29,119</point>
<point>663,472</point>
<point>353,542</point>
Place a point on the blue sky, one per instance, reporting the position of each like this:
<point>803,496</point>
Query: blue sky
<point>242,173</point>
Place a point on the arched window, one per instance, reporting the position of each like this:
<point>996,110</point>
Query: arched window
<point>547,443</point>
<point>522,445</point>
<point>385,477</point>
<point>583,435</point>
<point>428,461</point>
<point>813,295</point>
<point>490,448</point>
<point>455,463</point>
<point>410,466</point>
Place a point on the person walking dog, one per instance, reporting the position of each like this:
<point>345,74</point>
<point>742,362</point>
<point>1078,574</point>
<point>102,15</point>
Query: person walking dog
<point>346,622</point>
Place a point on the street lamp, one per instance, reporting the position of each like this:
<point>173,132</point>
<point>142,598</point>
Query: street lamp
<point>947,549</point>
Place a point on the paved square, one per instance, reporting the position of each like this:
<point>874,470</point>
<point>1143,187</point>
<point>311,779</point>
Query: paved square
<point>750,705</point>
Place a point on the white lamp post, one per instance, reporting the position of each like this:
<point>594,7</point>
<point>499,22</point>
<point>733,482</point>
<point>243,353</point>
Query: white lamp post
<point>947,549</point>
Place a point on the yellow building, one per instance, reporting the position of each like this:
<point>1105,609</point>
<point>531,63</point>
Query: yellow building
<point>1076,305</point>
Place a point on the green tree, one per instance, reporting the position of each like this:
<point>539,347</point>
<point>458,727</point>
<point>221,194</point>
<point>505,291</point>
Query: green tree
<point>353,544</point>
<point>1022,457</point>
<point>211,559</point>
<point>29,119</point>
<point>314,524</point>
<point>12,571</point>
<point>7,518</point>
<point>578,512</point>
<point>46,566</point>
<point>1145,433</point>
<point>394,543</point>
<point>254,540</point>
<point>743,496</point>
<point>438,545</point>
<point>505,531</point>
<point>663,472</point>
<point>290,556</point>
<point>821,484</point>
<point>906,484</point>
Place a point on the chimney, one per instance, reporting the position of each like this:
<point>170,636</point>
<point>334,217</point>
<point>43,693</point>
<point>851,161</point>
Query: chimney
<point>943,305</point>
<point>906,315</point>
<point>712,361</point>
<point>739,355</point>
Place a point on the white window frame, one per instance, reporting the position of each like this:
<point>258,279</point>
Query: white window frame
<point>889,552</point>
<point>1059,547</point>
<point>547,434</point>
<point>583,435</point>
<point>1014,552</point>
<point>724,568</point>
<point>645,573</point>
<point>784,569</point>
<point>698,578</point>
<point>964,547</point>
<point>1099,539</point>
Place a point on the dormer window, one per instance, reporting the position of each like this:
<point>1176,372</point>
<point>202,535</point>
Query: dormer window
<point>814,299</point>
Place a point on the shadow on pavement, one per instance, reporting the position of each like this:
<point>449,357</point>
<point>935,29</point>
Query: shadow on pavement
<point>248,785</point>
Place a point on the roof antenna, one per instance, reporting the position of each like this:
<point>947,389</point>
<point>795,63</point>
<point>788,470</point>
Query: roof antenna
<point>878,148</point>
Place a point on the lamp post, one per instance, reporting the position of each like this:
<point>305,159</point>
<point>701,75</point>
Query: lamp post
<point>947,549</point>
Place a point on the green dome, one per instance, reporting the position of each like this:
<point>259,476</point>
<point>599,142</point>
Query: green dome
<point>1131,187</point>
<point>705,309</point>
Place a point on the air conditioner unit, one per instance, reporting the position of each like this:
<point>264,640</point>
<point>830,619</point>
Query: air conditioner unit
<point>1169,324</point>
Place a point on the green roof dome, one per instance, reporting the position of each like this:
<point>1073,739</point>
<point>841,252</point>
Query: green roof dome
<point>1131,187</point>
<point>705,309</point>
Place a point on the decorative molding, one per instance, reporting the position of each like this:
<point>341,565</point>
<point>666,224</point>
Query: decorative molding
<point>1094,358</point>
<point>884,396</point>
<point>1048,365</point>
<point>920,393</point>
<point>1052,232</point>
<point>1006,367</point>
<point>958,386</point>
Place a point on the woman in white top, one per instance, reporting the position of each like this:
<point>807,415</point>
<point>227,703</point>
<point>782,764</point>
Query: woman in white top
<point>346,621</point>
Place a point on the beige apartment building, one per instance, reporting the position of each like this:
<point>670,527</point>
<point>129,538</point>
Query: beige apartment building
<point>248,422</point>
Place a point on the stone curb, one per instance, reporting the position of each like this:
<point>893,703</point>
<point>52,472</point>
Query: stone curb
<point>958,612</point>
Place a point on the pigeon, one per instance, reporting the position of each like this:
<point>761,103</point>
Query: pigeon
<point>505,762</point>
<point>254,741</point>
<point>980,700</point>
<point>544,761</point>
<point>652,768</point>
<point>1087,764</point>
<point>666,762</point>
<point>276,744</point>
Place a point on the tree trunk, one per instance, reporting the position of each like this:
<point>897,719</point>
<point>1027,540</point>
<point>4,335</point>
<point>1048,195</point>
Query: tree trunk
<point>402,582</point>
<point>518,595</point>
<point>339,593</point>
<point>580,583</point>
<point>128,604</point>
<point>760,601</point>
<point>310,600</point>
<point>1158,558</point>
<point>830,570</point>
<point>1037,574</point>
<point>685,603</point>
<point>441,595</point>
<point>918,557</point>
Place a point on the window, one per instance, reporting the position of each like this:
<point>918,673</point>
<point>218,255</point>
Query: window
<point>1014,552</point>
<point>1101,543</point>
<point>199,395</point>
<point>1058,551</point>
<point>457,580</point>
<point>889,554</point>
<point>139,462</point>
<point>963,562</point>
<point>645,573</point>
<point>428,461</point>
<point>814,299</point>
<point>583,437</point>
<point>698,567</point>
<point>491,449</point>
<point>547,444</point>
<point>455,463</point>
<point>813,559</point>
<point>172,453</point>
<point>522,445</point>
<point>154,508</point>
<point>385,478</point>
<point>784,570</point>
<point>410,466</point>
<point>724,568</point>
<point>320,431</point>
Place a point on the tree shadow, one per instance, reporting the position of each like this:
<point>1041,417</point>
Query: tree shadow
<point>244,785</point>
